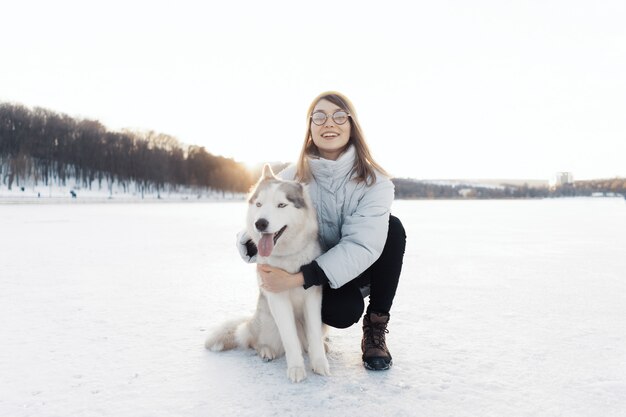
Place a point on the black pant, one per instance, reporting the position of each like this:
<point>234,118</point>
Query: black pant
<point>342,307</point>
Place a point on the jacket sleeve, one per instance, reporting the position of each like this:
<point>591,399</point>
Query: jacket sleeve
<point>313,275</point>
<point>363,236</point>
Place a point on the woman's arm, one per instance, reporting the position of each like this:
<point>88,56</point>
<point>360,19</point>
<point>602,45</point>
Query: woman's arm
<point>363,236</point>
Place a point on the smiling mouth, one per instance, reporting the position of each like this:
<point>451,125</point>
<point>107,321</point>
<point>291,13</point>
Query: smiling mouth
<point>330,135</point>
<point>267,242</point>
<point>278,234</point>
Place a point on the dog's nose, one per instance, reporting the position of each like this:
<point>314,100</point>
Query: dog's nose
<point>261,225</point>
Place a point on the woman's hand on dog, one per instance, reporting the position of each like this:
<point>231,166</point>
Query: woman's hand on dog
<point>278,280</point>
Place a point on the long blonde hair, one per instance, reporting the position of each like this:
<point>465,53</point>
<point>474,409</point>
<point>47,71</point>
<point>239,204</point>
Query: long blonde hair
<point>364,164</point>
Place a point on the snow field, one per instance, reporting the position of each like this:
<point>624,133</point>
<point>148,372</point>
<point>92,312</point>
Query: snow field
<point>509,308</point>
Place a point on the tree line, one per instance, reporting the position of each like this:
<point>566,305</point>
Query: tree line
<point>48,147</point>
<point>412,189</point>
<point>591,187</point>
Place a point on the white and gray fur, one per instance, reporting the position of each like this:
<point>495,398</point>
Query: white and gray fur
<point>286,322</point>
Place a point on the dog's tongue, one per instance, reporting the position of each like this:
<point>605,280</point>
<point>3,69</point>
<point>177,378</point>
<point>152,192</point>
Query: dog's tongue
<point>266,244</point>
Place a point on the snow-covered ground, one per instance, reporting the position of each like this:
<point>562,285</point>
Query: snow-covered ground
<point>505,308</point>
<point>30,193</point>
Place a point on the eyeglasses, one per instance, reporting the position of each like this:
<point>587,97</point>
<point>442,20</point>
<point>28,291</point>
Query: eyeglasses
<point>339,117</point>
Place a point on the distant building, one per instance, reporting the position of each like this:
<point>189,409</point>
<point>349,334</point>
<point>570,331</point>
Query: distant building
<point>562,178</point>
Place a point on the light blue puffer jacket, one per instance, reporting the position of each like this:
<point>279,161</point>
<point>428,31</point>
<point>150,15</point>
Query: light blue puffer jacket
<point>353,218</point>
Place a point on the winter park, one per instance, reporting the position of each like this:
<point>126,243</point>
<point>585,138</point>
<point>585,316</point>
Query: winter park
<point>191,193</point>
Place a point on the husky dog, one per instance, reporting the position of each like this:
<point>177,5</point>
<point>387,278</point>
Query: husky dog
<point>282,223</point>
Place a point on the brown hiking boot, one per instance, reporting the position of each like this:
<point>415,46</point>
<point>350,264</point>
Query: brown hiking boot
<point>376,356</point>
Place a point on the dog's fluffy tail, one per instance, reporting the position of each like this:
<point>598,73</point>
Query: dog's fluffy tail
<point>230,335</point>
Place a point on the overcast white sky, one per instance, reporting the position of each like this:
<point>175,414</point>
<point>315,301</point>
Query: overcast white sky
<point>443,89</point>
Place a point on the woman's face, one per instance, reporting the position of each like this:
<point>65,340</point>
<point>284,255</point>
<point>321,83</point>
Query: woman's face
<point>330,138</point>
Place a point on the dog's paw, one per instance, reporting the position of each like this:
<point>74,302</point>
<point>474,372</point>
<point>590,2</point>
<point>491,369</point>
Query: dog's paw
<point>296,373</point>
<point>214,346</point>
<point>320,366</point>
<point>266,353</point>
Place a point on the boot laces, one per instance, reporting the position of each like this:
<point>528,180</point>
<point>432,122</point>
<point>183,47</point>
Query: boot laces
<point>376,335</point>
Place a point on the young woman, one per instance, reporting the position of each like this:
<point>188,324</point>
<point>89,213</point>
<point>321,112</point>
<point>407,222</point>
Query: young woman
<point>363,244</point>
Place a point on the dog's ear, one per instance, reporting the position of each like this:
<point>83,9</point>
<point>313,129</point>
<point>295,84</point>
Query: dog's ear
<point>294,192</point>
<point>268,174</point>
